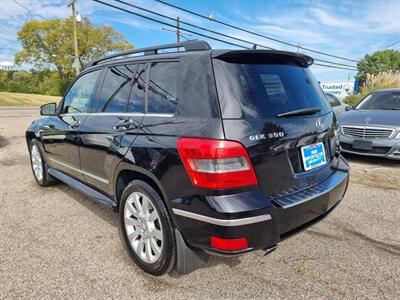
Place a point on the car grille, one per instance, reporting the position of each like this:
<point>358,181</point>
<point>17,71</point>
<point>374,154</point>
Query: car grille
<point>367,132</point>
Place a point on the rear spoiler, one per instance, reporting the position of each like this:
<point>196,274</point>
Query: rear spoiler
<point>264,57</point>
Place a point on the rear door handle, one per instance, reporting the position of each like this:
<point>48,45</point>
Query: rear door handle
<point>123,124</point>
<point>75,125</point>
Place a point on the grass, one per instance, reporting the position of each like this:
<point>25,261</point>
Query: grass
<point>17,99</point>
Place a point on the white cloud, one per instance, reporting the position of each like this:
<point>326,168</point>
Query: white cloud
<point>336,20</point>
<point>293,34</point>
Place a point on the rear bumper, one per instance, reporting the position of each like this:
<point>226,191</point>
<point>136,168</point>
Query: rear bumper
<point>388,148</point>
<point>264,222</point>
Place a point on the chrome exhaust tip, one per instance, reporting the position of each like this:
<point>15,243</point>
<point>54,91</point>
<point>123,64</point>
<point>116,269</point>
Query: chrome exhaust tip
<point>264,252</point>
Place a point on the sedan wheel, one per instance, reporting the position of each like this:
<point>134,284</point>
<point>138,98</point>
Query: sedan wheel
<point>143,227</point>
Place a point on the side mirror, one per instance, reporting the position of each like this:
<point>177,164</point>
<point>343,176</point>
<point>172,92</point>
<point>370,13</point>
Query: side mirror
<point>48,109</point>
<point>349,107</point>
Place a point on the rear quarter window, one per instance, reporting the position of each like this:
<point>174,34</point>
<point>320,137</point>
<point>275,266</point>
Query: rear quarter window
<point>266,90</point>
<point>163,88</point>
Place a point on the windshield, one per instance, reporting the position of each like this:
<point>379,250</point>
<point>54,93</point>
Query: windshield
<point>266,90</point>
<point>381,101</point>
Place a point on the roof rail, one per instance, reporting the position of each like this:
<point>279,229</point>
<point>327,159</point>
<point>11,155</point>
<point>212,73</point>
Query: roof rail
<point>194,45</point>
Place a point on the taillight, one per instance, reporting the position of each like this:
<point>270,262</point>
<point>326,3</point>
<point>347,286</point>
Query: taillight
<point>229,244</point>
<point>216,163</point>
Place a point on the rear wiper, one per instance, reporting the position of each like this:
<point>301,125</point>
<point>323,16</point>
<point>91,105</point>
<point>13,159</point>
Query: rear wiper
<point>300,112</point>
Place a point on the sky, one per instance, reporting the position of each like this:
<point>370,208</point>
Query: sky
<point>348,29</point>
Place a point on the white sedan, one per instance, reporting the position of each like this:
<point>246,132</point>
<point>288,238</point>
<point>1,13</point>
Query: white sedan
<point>337,105</point>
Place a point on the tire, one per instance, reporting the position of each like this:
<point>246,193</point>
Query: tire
<point>39,165</point>
<point>146,229</point>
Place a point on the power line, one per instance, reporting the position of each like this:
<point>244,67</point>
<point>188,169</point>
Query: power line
<point>185,29</point>
<point>167,24</point>
<point>391,45</point>
<point>190,24</point>
<point>335,63</point>
<point>335,67</point>
<point>254,33</point>
<point>7,29</point>
<point>27,8</point>
<point>215,32</point>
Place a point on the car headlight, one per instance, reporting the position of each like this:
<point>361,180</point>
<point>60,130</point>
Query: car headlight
<point>398,135</point>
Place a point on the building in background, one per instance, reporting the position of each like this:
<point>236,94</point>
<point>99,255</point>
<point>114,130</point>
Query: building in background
<point>7,66</point>
<point>340,89</point>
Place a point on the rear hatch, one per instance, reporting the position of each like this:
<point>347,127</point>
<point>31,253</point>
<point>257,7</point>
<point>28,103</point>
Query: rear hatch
<point>272,104</point>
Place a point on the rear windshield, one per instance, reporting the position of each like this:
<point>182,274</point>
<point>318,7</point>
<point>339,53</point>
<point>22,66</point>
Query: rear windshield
<point>381,101</point>
<point>266,90</point>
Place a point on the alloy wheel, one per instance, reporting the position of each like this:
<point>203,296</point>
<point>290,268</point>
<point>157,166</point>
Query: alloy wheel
<point>143,227</point>
<point>37,163</point>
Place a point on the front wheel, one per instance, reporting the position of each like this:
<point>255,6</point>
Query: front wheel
<point>39,166</point>
<point>146,228</point>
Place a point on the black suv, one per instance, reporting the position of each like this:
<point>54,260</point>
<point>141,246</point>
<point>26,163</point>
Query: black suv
<point>201,151</point>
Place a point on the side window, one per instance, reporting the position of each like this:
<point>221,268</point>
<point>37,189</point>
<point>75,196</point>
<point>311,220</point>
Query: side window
<point>78,97</point>
<point>163,82</point>
<point>136,99</point>
<point>116,88</point>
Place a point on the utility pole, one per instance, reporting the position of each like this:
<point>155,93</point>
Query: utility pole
<point>299,45</point>
<point>77,62</point>
<point>178,31</point>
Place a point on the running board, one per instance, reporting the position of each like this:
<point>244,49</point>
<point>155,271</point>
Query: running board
<point>92,193</point>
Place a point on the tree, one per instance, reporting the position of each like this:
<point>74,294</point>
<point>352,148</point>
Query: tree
<point>49,44</point>
<point>45,82</point>
<point>380,61</point>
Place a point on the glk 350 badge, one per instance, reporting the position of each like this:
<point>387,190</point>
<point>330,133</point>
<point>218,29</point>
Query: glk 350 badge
<point>269,135</point>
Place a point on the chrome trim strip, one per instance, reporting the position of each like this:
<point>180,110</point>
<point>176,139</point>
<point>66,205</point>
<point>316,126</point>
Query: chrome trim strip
<point>133,114</point>
<point>80,171</point>
<point>222,222</point>
<point>73,114</point>
<point>65,165</point>
<point>158,115</point>
<point>95,177</point>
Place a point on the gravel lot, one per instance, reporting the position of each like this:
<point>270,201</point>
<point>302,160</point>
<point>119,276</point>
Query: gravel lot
<point>57,243</point>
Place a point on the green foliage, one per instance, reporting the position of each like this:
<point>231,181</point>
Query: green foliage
<point>380,61</point>
<point>48,45</point>
<point>373,82</point>
<point>352,99</point>
<point>44,82</point>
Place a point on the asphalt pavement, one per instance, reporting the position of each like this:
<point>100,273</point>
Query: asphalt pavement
<point>14,111</point>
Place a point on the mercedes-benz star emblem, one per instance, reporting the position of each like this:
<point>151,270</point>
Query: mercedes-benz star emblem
<point>318,123</point>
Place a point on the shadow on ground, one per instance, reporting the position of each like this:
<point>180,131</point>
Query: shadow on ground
<point>3,141</point>
<point>106,214</point>
<point>111,217</point>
